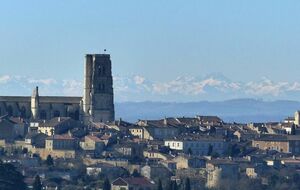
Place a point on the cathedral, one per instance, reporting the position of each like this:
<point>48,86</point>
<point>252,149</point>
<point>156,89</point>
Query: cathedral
<point>96,105</point>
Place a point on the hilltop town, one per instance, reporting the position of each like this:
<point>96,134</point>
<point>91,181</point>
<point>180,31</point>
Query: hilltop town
<point>76,143</point>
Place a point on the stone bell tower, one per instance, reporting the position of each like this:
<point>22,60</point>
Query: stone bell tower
<point>35,103</point>
<point>98,96</point>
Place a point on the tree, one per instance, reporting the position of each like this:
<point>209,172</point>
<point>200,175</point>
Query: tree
<point>135,173</point>
<point>187,185</point>
<point>159,186</point>
<point>106,184</point>
<point>210,150</point>
<point>293,130</point>
<point>10,178</point>
<point>37,185</point>
<point>49,161</point>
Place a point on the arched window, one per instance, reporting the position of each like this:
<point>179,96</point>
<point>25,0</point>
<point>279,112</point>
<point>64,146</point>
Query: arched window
<point>9,111</point>
<point>56,113</point>
<point>101,70</point>
<point>71,115</point>
<point>76,115</point>
<point>23,112</point>
<point>43,114</point>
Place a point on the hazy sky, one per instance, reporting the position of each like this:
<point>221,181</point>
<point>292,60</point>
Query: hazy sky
<point>157,40</point>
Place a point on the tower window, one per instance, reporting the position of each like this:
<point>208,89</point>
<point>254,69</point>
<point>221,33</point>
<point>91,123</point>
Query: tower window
<point>101,70</point>
<point>101,88</point>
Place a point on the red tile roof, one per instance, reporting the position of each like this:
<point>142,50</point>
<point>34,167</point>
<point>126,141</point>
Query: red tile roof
<point>132,181</point>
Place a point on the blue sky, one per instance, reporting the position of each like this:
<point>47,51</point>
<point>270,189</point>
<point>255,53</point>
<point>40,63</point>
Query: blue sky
<point>154,44</point>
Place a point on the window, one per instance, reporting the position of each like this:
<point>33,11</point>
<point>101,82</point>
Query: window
<point>9,110</point>
<point>56,114</point>
<point>76,115</point>
<point>101,88</point>
<point>101,70</point>
<point>43,114</point>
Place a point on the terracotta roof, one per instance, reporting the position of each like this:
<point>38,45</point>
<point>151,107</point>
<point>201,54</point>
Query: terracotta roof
<point>60,137</point>
<point>105,137</point>
<point>119,182</point>
<point>94,138</point>
<point>281,138</point>
<point>215,119</point>
<point>196,137</point>
<point>132,181</point>
<point>137,181</point>
<point>53,122</point>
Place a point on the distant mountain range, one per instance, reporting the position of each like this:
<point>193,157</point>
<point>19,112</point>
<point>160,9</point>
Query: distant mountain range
<point>237,110</point>
<point>164,95</point>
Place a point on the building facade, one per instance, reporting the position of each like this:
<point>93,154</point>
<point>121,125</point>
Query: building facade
<point>198,146</point>
<point>97,103</point>
<point>280,143</point>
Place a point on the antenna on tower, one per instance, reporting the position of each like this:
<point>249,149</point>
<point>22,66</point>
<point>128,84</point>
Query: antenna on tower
<point>104,51</point>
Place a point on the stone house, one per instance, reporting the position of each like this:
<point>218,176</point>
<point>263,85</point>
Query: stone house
<point>153,154</point>
<point>133,183</point>
<point>280,143</point>
<point>93,144</point>
<point>35,140</point>
<point>154,133</point>
<point>185,162</point>
<point>96,169</point>
<point>220,169</point>
<point>7,131</point>
<point>57,125</point>
<point>156,172</point>
<point>61,142</point>
<point>158,129</point>
<point>129,150</point>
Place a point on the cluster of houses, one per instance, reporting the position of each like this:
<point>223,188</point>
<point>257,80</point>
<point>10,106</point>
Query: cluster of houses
<point>204,149</point>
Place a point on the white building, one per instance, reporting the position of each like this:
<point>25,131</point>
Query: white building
<point>197,145</point>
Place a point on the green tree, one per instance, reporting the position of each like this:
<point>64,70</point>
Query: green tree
<point>159,185</point>
<point>106,184</point>
<point>187,185</point>
<point>37,184</point>
<point>10,178</point>
<point>49,161</point>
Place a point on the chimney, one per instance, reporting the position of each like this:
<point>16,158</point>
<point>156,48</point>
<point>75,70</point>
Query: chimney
<point>165,121</point>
